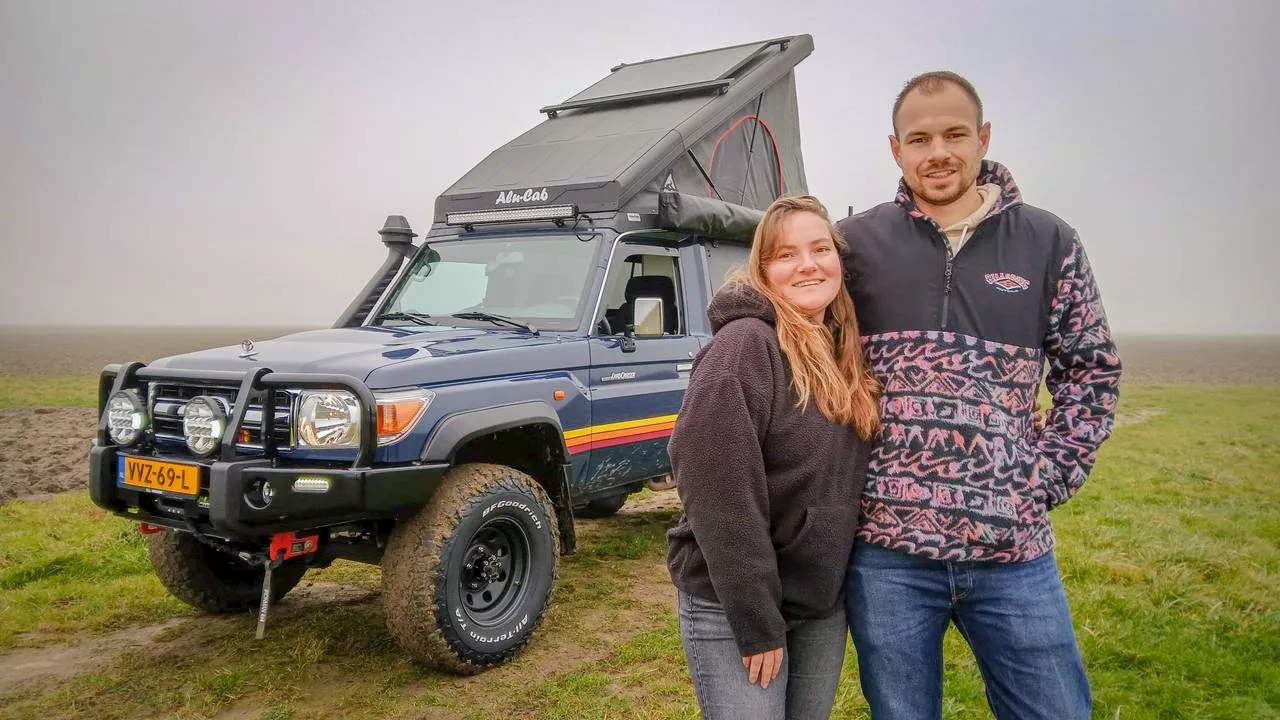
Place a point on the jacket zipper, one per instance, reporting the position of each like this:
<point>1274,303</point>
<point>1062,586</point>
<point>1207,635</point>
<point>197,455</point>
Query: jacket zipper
<point>946,290</point>
<point>946,286</point>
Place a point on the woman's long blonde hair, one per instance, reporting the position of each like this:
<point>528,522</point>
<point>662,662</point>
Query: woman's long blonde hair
<point>825,358</point>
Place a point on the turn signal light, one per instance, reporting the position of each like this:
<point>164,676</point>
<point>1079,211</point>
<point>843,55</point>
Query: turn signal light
<point>395,417</point>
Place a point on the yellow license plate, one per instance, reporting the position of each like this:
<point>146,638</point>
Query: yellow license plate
<point>157,475</point>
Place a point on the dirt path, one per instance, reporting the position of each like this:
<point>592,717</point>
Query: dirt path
<point>60,662</point>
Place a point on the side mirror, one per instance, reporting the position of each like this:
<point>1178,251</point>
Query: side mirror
<point>648,313</point>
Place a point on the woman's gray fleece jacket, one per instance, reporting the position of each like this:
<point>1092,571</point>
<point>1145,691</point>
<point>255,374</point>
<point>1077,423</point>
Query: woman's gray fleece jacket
<point>770,491</point>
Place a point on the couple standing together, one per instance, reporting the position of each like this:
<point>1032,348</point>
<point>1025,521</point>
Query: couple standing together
<point>858,449</point>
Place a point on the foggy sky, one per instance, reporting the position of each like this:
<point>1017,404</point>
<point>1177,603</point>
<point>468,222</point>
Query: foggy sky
<point>230,163</point>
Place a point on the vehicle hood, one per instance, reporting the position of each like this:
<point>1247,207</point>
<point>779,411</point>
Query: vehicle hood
<point>359,352</point>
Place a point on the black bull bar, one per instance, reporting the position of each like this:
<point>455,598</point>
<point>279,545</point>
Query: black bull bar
<point>115,378</point>
<point>358,492</point>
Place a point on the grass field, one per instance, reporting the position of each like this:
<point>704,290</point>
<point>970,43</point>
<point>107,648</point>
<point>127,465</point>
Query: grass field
<point>1171,558</point>
<point>39,391</point>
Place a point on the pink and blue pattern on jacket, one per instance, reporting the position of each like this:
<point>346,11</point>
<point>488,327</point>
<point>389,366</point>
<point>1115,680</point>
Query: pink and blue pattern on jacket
<point>959,471</point>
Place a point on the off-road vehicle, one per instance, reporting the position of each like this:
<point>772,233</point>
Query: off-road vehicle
<point>525,359</point>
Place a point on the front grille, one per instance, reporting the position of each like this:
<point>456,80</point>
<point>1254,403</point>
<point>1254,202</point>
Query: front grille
<point>168,402</point>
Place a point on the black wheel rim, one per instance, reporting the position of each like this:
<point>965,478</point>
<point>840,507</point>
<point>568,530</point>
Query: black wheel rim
<point>495,572</point>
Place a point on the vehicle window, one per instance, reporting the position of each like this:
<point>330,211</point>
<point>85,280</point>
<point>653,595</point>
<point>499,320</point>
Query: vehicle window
<point>541,280</point>
<point>638,274</point>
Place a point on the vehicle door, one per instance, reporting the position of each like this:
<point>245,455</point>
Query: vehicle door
<point>637,380</point>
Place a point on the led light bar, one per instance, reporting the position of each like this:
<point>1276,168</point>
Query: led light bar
<point>311,484</point>
<point>506,215</point>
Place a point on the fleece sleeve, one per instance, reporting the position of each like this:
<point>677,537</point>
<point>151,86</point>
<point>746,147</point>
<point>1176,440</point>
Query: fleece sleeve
<point>718,465</point>
<point>1083,378</point>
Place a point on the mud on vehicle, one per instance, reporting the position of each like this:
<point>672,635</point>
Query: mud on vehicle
<point>523,362</point>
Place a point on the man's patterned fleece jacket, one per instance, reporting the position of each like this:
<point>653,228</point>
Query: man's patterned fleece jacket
<point>960,344</point>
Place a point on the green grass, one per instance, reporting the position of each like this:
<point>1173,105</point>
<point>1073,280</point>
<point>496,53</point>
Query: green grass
<point>66,569</point>
<point>18,391</point>
<point>1170,554</point>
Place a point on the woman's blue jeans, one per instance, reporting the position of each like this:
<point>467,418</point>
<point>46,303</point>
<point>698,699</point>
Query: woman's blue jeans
<point>805,688</point>
<point>1013,615</point>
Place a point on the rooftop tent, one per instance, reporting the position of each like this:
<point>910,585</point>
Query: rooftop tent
<point>716,130</point>
<point>750,156</point>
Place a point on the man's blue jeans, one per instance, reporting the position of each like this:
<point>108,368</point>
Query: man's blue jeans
<point>805,688</point>
<point>1013,615</point>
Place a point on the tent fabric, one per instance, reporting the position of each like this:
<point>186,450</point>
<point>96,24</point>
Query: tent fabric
<point>750,159</point>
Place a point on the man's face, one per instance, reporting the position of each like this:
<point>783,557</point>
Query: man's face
<point>938,144</point>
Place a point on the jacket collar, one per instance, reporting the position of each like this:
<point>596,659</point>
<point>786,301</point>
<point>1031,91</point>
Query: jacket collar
<point>737,300</point>
<point>989,172</point>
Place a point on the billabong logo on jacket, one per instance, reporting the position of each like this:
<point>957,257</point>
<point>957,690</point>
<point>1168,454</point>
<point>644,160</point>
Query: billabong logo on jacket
<point>1008,282</point>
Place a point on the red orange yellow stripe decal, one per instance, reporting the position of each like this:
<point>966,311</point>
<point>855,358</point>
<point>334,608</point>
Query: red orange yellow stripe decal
<point>610,434</point>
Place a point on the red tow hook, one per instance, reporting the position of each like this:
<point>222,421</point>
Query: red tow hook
<point>149,529</point>
<point>288,545</point>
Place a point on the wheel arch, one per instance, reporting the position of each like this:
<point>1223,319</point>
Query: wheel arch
<point>525,435</point>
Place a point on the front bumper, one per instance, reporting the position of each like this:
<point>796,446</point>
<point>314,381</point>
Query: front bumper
<point>358,491</point>
<point>221,508</point>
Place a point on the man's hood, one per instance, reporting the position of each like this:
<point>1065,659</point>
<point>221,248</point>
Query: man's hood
<point>738,300</point>
<point>357,352</point>
<point>990,172</point>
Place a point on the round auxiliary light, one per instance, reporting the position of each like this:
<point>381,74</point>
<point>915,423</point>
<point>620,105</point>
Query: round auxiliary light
<point>126,417</point>
<point>203,423</point>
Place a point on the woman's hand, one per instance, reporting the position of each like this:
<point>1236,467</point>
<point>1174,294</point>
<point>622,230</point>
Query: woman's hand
<point>764,666</point>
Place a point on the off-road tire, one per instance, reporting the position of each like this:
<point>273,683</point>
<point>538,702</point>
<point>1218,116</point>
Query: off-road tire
<point>467,578</point>
<point>211,580</point>
<point>602,507</point>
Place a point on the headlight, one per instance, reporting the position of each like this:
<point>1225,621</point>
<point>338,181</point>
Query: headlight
<point>399,411</point>
<point>204,419</point>
<point>331,418</point>
<point>126,417</point>
<point>328,419</point>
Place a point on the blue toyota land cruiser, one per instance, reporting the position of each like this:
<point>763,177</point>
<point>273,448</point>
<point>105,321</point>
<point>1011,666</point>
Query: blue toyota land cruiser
<point>522,361</point>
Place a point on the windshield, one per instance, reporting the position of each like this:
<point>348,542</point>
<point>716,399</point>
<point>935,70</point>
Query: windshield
<point>541,280</point>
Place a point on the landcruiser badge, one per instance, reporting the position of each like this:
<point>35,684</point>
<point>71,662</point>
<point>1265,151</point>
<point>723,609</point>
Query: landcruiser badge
<point>247,347</point>
<point>619,375</point>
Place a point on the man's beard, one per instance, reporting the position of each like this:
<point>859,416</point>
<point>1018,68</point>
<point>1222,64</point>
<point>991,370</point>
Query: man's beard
<point>939,199</point>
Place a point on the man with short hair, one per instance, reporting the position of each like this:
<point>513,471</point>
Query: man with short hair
<point>964,293</point>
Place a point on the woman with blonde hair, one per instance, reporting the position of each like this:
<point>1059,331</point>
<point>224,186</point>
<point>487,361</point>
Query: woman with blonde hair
<point>769,456</point>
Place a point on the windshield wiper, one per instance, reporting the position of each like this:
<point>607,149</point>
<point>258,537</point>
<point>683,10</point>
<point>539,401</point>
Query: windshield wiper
<point>496,319</point>
<point>413,317</point>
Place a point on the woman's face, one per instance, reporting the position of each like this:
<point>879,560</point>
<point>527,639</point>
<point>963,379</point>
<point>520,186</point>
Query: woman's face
<point>805,267</point>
